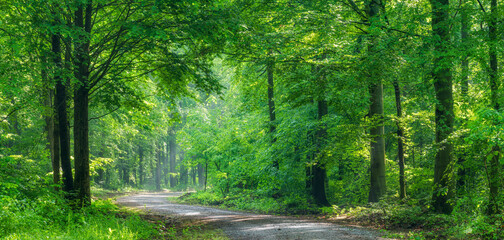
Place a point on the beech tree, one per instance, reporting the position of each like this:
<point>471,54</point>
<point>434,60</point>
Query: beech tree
<point>441,69</point>
<point>278,104</point>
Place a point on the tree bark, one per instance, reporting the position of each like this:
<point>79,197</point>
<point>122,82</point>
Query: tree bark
<point>166,164</point>
<point>318,169</point>
<point>443,169</point>
<point>378,186</point>
<point>308,177</point>
<point>172,143</point>
<point>81,105</point>
<point>126,175</point>
<point>271,103</point>
<point>201,175</point>
<point>49,119</point>
<point>55,145</point>
<point>61,126</point>
<point>140,165</point>
<point>158,167</point>
<point>400,144</point>
<point>310,157</point>
<point>184,176</point>
<point>493,175</point>
<point>464,32</point>
<point>206,174</point>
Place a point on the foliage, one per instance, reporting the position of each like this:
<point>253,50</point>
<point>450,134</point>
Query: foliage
<point>179,99</point>
<point>252,201</point>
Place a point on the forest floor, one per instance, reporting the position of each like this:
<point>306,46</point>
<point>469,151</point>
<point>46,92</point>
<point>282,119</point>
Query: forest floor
<point>243,225</point>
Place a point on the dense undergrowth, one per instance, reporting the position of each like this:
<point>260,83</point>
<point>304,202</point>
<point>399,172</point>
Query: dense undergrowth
<point>251,201</point>
<point>406,220</point>
<point>47,218</point>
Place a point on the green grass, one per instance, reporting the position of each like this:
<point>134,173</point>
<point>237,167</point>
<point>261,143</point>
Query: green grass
<point>402,221</point>
<point>44,218</point>
<point>251,201</point>
<point>47,218</point>
<point>102,193</point>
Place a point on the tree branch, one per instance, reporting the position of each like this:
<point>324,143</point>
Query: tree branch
<point>356,9</point>
<point>94,118</point>
<point>481,6</point>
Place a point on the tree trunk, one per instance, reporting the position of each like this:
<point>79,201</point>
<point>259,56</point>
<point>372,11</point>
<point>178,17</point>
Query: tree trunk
<point>464,32</point>
<point>61,125</point>
<point>206,174</point>
<point>81,105</point>
<point>55,145</point>
<point>193,176</point>
<point>310,157</point>
<point>158,167</point>
<point>308,177</point>
<point>172,143</point>
<point>201,175</point>
<point>270,66</point>
<point>166,164</point>
<point>493,175</point>
<point>140,165</point>
<point>126,176</point>
<point>318,168</point>
<point>184,176</point>
<point>443,169</point>
<point>49,119</point>
<point>378,185</point>
<point>400,137</point>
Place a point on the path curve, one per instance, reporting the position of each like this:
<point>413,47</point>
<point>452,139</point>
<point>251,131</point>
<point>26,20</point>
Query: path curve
<point>240,225</point>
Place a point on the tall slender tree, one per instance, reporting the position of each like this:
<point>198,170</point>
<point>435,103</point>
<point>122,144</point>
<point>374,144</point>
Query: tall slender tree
<point>60,103</point>
<point>444,116</point>
<point>172,144</point>
<point>378,186</point>
<point>494,172</point>
<point>83,23</point>
<point>270,68</point>
<point>318,169</point>
<point>400,141</point>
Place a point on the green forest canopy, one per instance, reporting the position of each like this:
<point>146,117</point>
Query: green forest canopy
<point>324,102</point>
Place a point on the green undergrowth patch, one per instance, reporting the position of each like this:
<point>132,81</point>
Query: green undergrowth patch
<point>251,201</point>
<point>102,193</point>
<point>46,218</point>
<point>404,221</point>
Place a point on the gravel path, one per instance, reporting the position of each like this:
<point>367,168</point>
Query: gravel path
<point>240,225</point>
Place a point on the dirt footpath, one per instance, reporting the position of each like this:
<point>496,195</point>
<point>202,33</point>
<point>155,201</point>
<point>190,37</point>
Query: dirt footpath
<point>239,225</point>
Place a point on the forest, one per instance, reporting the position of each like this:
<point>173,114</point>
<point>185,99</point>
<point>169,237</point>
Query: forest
<point>387,112</point>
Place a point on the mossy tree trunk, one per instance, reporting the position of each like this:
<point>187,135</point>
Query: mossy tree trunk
<point>444,116</point>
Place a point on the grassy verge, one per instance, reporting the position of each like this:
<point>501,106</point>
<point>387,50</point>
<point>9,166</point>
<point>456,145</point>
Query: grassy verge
<point>249,201</point>
<point>402,221</point>
<point>44,218</point>
<point>100,193</point>
<point>49,217</point>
